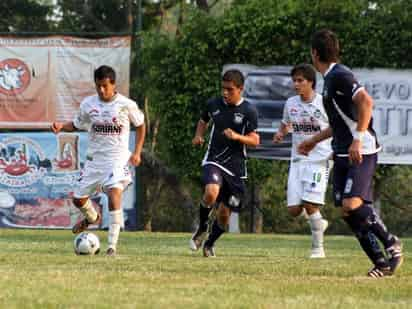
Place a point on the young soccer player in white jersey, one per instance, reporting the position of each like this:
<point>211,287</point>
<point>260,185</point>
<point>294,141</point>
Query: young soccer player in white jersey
<point>107,117</point>
<point>305,116</point>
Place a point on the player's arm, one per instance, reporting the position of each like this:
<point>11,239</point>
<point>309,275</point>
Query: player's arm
<point>284,124</point>
<point>202,124</point>
<point>364,105</point>
<point>281,133</point>
<point>201,128</point>
<point>57,127</point>
<point>136,157</point>
<point>249,139</point>
<point>307,145</point>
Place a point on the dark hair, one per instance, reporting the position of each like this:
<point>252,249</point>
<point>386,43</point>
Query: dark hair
<point>307,71</point>
<point>103,72</point>
<point>234,76</point>
<point>326,44</point>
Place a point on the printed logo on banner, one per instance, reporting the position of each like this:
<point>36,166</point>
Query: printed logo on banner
<point>14,76</point>
<point>20,162</point>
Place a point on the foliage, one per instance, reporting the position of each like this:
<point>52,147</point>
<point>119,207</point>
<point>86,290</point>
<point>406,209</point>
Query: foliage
<point>176,67</point>
<point>372,34</point>
<point>25,15</point>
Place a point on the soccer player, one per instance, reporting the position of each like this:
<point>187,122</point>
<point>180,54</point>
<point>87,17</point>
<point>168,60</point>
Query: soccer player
<point>355,147</point>
<point>234,124</point>
<point>305,116</point>
<point>107,117</point>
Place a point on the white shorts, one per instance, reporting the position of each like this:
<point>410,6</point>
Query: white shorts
<point>99,177</point>
<point>307,182</point>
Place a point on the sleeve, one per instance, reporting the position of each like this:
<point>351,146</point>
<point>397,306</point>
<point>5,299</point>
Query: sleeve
<point>136,116</point>
<point>285,117</point>
<point>205,115</point>
<point>252,120</point>
<point>348,85</point>
<point>82,120</point>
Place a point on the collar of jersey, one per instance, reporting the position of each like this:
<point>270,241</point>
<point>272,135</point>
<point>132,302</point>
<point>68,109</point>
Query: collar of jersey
<point>311,101</point>
<point>111,100</point>
<point>237,104</point>
<point>330,68</point>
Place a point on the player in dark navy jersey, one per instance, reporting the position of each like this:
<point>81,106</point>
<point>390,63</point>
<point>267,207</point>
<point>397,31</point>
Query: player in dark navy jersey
<point>234,124</point>
<point>355,146</point>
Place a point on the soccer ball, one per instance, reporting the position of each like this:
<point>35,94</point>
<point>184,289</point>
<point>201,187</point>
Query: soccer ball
<point>86,243</point>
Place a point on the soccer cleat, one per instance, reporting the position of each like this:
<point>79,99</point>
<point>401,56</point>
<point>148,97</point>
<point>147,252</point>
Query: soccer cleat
<point>325,224</point>
<point>111,252</point>
<point>395,255</point>
<point>209,251</point>
<point>196,240</point>
<point>378,272</point>
<point>82,225</point>
<point>317,253</point>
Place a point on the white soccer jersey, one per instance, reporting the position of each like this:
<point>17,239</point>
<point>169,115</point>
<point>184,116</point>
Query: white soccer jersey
<point>108,124</point>
<point>306,120</point>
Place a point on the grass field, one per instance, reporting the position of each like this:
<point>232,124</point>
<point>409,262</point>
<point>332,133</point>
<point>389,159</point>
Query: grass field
<point>38,269</point>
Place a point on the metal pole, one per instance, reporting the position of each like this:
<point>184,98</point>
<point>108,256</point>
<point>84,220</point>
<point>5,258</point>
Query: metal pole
<point>139,186</point>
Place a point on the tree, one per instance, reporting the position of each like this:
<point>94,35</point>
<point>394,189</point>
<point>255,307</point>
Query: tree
<point>25,16</point>
<point>186,70</point>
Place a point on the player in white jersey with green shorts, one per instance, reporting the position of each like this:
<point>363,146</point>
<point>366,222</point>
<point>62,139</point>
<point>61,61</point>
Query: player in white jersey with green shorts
<point>304,116</point>
<point>106,117</point>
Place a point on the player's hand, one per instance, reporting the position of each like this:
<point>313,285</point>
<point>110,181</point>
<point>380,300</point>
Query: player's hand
<point>56,127</point>
<point>198,140</point>
<point>355,153</point>
<point>135,159</point>
<point>230,134</point>
<point>278,137</point>
<point>306,146</point>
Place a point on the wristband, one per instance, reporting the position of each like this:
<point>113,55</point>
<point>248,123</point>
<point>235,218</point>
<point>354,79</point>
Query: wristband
<point>358,135</point>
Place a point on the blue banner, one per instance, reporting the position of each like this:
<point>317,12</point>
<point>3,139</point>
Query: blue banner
<point>38,173</point>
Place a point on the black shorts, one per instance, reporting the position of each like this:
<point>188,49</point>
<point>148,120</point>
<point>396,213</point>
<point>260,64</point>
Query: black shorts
<point>353,180</point>
<point>232,188</point>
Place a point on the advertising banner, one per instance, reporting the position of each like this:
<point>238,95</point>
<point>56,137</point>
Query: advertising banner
<point>269,88</point>
<point>38,172</point>
<point>44,79</point>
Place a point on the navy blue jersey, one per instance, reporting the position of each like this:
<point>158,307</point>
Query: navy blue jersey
<point>339,88</point>
<point>227,154</point>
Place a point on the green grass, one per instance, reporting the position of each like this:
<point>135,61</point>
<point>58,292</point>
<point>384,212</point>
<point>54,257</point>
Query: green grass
<point>38,269</point>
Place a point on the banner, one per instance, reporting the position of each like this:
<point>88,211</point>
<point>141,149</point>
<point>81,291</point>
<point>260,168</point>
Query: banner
<point>269,88</point>
<point>44,79</point>
<point>38,173</point>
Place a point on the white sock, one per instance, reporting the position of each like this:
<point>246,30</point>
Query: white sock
<point>316,226</point>
<point>88,211</point>
<point>114,228</point>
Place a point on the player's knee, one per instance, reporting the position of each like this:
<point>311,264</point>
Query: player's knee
<point>311,209</point>
<point>295,211</point>
<point>210,196</point>
<point>349,204</point>
<point>80,202</point>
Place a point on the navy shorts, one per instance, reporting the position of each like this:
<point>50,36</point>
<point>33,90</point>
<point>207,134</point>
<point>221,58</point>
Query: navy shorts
<point>353,180</point>
<point>232,189</point>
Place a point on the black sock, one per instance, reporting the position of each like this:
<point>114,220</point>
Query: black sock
<point>204,212</point>
<point>370,218</point>
<point>367,241</point>
<point>217,231</point>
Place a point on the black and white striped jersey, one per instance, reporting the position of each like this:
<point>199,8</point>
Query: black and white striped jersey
<point>227,154</point>
<point>340,86</point>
